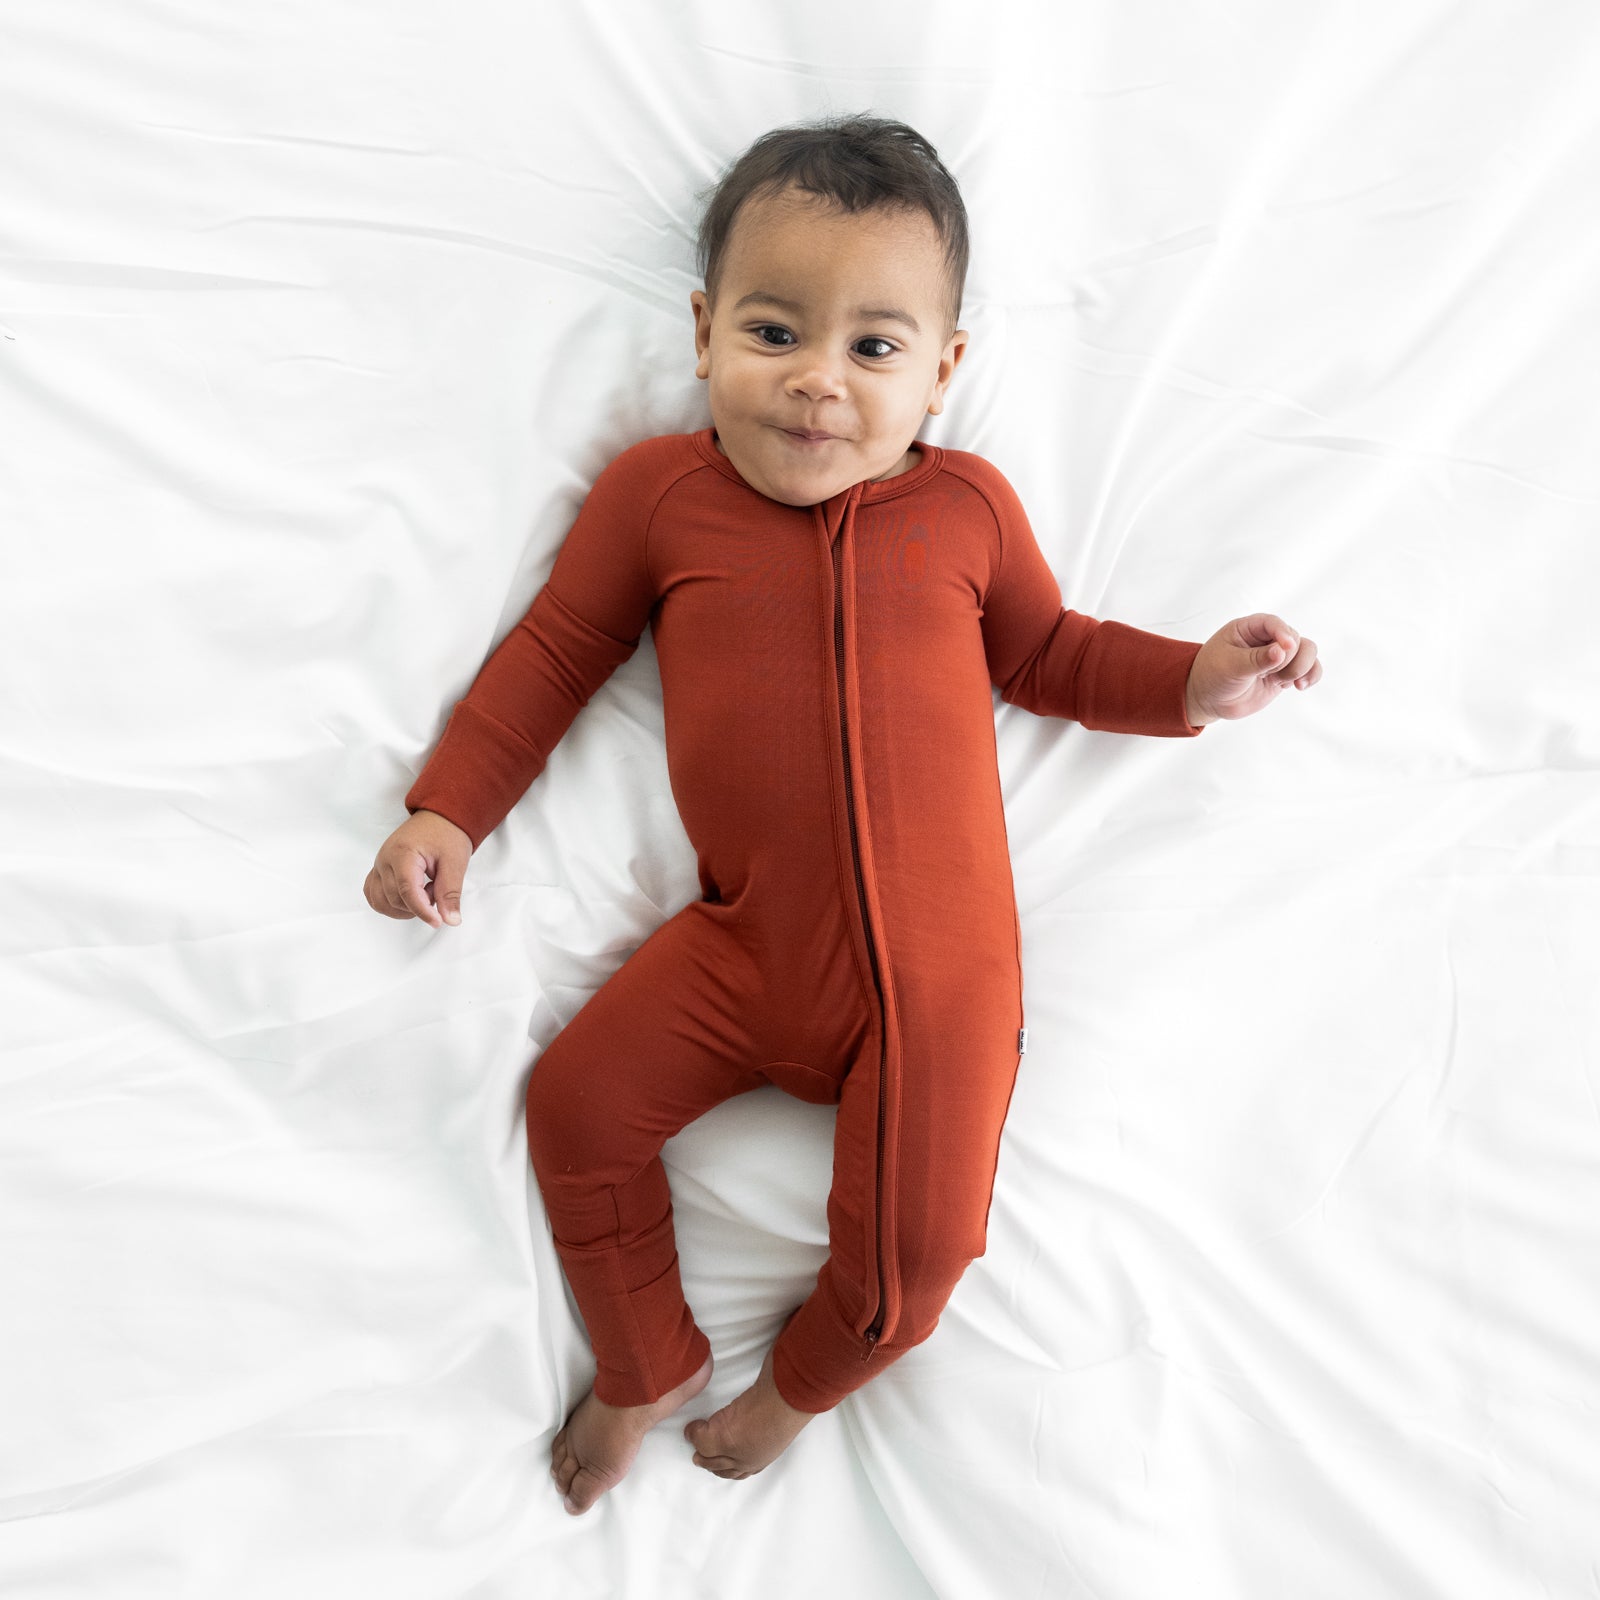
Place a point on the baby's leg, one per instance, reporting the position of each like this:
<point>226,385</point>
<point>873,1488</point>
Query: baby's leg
<point>654,1048</point>
<point>818,1358</point>
<point>957,1065</point>
<point>951,1106</point>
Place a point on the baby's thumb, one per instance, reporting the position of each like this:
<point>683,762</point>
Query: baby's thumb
<point>451,873</point>
<point>1264,658</point>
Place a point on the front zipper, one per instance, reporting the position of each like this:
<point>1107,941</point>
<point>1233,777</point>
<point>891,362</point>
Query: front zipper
<point>875,1329</point>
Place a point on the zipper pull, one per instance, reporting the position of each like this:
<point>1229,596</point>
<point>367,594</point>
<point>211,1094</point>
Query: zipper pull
<point>1022,1041</point>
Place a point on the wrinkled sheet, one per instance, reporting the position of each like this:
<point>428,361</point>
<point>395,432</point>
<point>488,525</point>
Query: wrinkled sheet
<point>316,323</point>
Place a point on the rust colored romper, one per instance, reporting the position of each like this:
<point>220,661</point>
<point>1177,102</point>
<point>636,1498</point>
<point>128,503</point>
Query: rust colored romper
<point>830,742</point>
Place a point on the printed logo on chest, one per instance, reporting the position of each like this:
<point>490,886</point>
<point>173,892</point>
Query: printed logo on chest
<point>913,556</point>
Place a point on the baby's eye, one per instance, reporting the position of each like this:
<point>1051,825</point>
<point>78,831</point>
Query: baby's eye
<point>770,327</point>
<point>876,355</point>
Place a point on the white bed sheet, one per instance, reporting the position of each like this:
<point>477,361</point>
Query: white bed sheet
<point>316,323</point>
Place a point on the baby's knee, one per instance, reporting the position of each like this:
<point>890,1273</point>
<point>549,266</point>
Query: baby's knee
<point>934,1247</point>
<point>569,1130</point>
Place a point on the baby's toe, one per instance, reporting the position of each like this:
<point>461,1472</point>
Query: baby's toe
<point>717,1461</point>
<point>709,1450</point>
<point>586,1487</point>
<point>563,1464</point>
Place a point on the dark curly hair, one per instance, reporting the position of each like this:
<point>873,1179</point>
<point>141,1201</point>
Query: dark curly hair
<point>858,162</point>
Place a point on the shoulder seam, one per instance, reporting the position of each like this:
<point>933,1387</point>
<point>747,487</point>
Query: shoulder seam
<point>670,482</point>
<point>959,469</point>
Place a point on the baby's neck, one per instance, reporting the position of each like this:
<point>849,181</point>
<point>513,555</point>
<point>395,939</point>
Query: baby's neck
<point>904,464</point>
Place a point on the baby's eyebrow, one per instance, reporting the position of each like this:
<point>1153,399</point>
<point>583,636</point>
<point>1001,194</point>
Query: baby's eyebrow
<point>871,313</point>
<point>889,314</point>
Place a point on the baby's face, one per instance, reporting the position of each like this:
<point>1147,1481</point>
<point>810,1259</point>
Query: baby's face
<point>802,340</point>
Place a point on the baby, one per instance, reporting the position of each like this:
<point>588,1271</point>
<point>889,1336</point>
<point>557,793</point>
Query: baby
<point>830,602</point>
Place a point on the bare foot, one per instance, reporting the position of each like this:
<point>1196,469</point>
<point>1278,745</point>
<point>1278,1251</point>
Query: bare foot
<point>748,1433</point>
<point>597,1446</point>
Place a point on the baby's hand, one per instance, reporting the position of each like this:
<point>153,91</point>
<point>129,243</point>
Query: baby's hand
<point>419,870</point>
<point>1242,666</point>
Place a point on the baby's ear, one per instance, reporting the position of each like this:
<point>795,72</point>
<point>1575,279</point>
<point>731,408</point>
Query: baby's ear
<point>954,349</point>
<point>702,332</point>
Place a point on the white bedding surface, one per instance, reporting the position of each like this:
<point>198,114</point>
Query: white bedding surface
<point>316,323</point>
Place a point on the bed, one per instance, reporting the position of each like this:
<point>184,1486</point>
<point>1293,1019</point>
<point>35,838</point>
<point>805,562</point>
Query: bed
<point>317,323</point>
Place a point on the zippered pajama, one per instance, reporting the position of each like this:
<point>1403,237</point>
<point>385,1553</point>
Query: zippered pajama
<point>826,678</point>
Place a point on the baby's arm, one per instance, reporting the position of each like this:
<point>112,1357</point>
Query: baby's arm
<point>1108,675</point>
<point>1061,663</point>
<point>584,623</point>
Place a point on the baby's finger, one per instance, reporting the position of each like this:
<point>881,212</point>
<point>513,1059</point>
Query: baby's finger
<point>1261,628</point>
<point>377,897</point>
<point>449,872</point>
<point>382,895</point>
<point>1275,659</point>
<point>1297,661</point>
<point>413,891</point>
<point>389,889</point>
<point>399,892</point>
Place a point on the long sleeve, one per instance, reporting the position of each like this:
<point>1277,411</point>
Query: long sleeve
<point>583,624</point>
<point>1061,663</point>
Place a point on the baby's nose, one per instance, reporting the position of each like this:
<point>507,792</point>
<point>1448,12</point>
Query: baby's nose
<point>816,379</point>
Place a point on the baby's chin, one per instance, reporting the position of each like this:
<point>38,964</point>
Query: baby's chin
<point>787,495</point>
<point>797,486</point>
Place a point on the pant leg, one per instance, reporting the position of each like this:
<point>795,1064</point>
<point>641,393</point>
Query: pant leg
<point>661,1042</point>
<point>958,1068</point>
